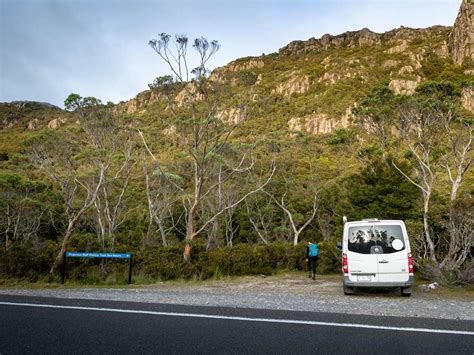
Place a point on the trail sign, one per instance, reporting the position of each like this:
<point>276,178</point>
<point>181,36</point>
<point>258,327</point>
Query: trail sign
<point>73,254</point>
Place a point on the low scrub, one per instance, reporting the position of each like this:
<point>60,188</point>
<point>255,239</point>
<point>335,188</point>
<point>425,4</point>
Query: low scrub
<point>154,263</point>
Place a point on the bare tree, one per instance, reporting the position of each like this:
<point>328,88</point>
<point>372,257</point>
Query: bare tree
<point>457,162</point>
<point>79,180</point>
<point>21,212</point>
<point>458,158</point>
<point>109,203</point>
<point>78,191</point>
<point>161,191</point>
<point>261,217</point>
<point>297,220</point>
<point>419,128</point>
<point>203,136</point>
<point>434,139</point>
<point>226,193</point>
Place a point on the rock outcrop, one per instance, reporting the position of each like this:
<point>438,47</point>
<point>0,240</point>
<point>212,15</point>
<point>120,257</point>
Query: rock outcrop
<point>56,123</point>
<point>402,47</point>
<point>317,123</point>
<point>461,38</point>
<point>467,99</point>
<point>400,38</point>
<point>296,84</point>
<point>33,124</point>
<point>246,65</point>
<point>405,87</point>
<point>138,103</point>
<point>349,39</point>
<point>233,115</point>
<point>187,95</point>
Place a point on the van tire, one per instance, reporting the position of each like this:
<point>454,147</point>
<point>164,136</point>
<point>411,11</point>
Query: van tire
<point>348,290</point>
<point>406,291</point>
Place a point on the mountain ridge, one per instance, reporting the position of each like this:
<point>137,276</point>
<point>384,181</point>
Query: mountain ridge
<point>308,73</point>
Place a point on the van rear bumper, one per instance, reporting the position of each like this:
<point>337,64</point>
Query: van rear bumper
<point>349,283</point>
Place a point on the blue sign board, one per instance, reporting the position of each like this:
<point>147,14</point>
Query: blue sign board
<point>73,254</point>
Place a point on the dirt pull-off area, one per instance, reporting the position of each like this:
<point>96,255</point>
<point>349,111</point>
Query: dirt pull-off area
<point>291,291</point>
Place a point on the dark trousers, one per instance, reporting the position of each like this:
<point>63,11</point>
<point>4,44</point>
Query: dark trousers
<point>312,261</point>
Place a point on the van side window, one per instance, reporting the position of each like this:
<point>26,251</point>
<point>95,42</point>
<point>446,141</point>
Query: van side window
<point>374,239</point>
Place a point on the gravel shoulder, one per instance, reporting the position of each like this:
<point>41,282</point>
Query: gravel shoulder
<point>291,291</point>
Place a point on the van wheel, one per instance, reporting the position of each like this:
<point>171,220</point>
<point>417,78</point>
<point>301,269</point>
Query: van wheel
<point>348,290</point>
<point>406,291</point>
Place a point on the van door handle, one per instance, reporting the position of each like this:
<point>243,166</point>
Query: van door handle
<point>383,262</point>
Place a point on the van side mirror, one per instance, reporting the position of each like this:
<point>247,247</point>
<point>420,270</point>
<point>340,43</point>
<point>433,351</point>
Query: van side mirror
<point>339,245</point>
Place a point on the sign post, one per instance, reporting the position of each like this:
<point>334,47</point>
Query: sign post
<point>73,254</point>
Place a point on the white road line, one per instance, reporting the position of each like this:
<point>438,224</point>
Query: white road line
<point>246,319</point>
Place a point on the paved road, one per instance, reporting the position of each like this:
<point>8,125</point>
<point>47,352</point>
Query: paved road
<point>50,325</point>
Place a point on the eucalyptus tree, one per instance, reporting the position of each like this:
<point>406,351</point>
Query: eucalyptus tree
<point>79,160</point>
<point>162,194</point>
<point>202,135</point>
<point>22,208</point>
<point>430,135</point>
<point>298,200</point>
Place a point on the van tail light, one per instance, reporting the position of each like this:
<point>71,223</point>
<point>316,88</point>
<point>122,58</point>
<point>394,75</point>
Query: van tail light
<point>345,265</point>
<point>410,264</point>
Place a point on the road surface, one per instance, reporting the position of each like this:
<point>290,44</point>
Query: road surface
<point>49,325</point>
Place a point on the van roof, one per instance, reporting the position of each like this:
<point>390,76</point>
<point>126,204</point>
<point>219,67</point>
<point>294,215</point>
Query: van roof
<point>378,221</point>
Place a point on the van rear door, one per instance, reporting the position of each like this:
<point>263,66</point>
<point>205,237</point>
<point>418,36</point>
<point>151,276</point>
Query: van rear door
<point>361,255</point>
<point>393,262</point>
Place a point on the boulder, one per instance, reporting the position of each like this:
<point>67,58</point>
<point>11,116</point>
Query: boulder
<point>56,123</point>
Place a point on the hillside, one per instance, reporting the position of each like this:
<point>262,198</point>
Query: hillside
<point>313,85</point>
<point>300,110</point>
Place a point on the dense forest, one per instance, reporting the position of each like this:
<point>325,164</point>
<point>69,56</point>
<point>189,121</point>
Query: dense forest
<point>230,172</point>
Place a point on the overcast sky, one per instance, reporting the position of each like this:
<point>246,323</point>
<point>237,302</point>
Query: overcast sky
<point>49,49</point>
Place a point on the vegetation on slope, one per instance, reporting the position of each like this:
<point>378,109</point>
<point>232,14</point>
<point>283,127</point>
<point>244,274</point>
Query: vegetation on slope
<point>342,167</point>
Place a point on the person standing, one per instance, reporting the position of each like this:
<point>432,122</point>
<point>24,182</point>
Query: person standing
<point>312,258</point>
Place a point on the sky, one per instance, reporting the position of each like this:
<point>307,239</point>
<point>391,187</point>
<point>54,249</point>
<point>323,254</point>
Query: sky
<point>51,48</point>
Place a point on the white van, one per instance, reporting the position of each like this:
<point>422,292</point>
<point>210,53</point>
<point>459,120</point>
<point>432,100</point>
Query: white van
<point>376,253</point>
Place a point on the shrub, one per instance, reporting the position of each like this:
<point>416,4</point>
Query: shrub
<point>24,261</point>
<point>466,276</point>
<point>163,263</point>
<point>429,270</point>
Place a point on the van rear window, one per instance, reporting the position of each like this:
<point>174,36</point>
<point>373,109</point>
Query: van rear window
<point>376,239</point>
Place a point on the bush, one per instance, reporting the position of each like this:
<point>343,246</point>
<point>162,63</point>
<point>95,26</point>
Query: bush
<point>23,261</point>
<point>163,263</point>
<point>429,270</point>
<point>27,261</point>
<point>466,276</point>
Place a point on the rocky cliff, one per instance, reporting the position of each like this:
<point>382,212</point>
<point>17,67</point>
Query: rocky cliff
<point>312,85</point>
<point>461,38</point>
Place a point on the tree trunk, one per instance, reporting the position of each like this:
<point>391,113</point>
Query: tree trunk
<point>296,238</point>
<point>164,242</point>
<point>429,241</point>
<point>67,236</point>
<point>189,234</point>
<point>147,238</point>
<point>212,239</point>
